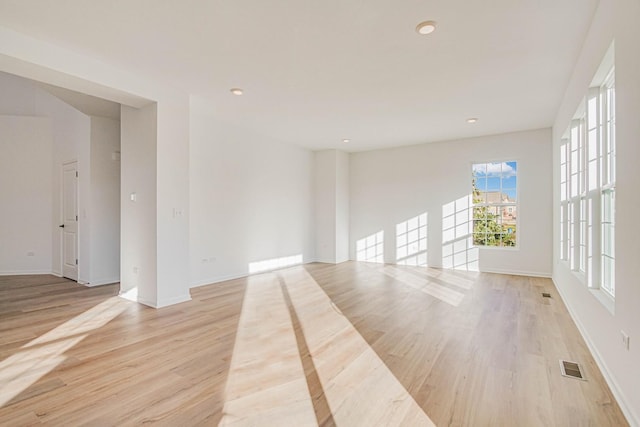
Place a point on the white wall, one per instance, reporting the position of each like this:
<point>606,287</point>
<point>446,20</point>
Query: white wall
<point>251,199</point>
<point>25,191</point>
<point>391,186</point>
<point>172,168</point>
<point>342,206</point>
<point>614,19</point>
<point>325,205</point>
<point>331,206</point>
<point>89,141</point>
<point>70,139</point>
<point>104,201</point>
<point>138,257</point>
<point>48,63</point>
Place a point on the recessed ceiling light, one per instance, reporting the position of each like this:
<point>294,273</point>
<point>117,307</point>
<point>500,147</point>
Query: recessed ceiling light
<point>345,140</point>
<point>237,91</point>
<point>472,120</point>
<point>426,27</point>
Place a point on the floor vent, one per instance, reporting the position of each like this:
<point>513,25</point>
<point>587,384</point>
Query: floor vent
<point>546,295</point>
<point>571,370</point>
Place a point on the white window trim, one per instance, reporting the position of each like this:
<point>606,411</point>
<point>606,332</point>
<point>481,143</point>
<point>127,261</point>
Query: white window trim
<point>582,249</point>
<point>516,205</point>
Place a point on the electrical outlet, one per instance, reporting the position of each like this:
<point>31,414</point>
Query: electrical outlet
<point>31,253</point>
<point>625,339</point>
<point>135,270</point>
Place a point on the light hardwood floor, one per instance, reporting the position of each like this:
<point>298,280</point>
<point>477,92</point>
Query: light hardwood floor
<point>348,345</point>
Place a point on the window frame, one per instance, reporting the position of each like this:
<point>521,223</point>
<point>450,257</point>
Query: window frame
<point>500,206</point>
<point>587,175</point>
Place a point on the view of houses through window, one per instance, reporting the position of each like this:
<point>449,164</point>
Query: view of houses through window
<point>494,204</point>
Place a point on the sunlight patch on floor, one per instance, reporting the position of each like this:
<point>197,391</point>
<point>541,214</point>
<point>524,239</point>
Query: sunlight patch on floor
<point>43,354</point>
<point>359,388</point>
<point>94,318</point>
<point>427,286</point>
<point>266,383</point>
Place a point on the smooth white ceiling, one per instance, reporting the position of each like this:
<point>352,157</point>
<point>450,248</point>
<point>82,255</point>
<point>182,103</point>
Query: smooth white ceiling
<point>315,72</point>
<point>87,104</point>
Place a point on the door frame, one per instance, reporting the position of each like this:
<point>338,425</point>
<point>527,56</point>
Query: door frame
<point>61,214</point>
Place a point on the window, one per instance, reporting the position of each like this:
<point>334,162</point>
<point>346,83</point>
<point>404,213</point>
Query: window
<point>587,188</point>
<point>494,204</point>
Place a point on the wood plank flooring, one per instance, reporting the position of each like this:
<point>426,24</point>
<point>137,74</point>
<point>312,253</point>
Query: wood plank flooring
<point>354,344</point>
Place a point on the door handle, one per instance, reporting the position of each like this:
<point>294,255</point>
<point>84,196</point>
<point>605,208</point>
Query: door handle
<point>61,226</point>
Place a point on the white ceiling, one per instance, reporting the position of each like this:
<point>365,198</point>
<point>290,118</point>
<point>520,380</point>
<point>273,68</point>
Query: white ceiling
<point>89,105</point>
<point>315,72</point>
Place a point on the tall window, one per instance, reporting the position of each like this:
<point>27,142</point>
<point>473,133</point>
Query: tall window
<point>608,185</point>
<point>587,188</point>
<point>495,209</point>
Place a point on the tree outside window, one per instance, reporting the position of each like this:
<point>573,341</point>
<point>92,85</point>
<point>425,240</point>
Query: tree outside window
<point>495,204</point>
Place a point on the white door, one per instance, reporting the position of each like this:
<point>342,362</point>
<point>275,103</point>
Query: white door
<point>69,224</point>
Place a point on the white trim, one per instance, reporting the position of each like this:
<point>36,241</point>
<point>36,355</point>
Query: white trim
<point>174,300</point>
<point>516,272</point>
<point>143,301</point>
<point>516,204</point>
<point>620,397</point>
<point>328,261</point>
<point>159,304</point>
<point>25,272</point>
<point>218,279</point>
<point>102,282</point>
<point>61,213</point>
<point>605,299</point>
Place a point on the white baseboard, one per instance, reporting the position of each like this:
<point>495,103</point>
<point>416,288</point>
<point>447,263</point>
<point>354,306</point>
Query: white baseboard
<point>218,279</point>
<point>102,282</point>
<point>174,300</point>
<point>325,261</point>
<point>517,272</point>
<point>628,412</point>
<point>155,304</point>
<point>146,302</point>
<point>329,261</point>
<point>23,272</point>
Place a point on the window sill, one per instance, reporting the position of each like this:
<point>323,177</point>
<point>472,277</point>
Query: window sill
<point>605,299</point>
<point>498,248</point>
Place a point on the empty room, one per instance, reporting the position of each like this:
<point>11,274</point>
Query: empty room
<point>298,213</point>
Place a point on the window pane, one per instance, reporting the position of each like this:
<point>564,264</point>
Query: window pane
<point>608,241</point>
<point>495,189</point>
